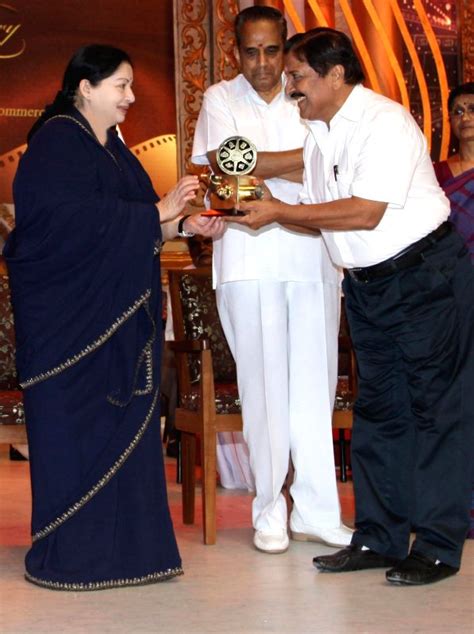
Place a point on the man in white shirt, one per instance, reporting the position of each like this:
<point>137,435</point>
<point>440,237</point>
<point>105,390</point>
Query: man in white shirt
<point>278,299</point>
<point>409,292</point>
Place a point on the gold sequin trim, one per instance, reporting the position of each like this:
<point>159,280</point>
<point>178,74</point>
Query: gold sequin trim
<point>154,577</point>
<point>91,347</point>
<point>148,389</point>
<point>102,482</point>
<point>149,374</point>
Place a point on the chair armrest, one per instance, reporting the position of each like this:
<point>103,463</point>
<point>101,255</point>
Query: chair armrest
<point>188,345</point>
<point>202,348</point>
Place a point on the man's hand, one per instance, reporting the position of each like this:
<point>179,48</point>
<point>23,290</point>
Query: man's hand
<point>258,213</point>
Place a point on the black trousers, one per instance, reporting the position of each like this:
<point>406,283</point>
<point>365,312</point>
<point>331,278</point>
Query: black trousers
<point>412,443</point>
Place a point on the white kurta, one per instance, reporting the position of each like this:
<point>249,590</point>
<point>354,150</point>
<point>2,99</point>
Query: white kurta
<point>278,299</point>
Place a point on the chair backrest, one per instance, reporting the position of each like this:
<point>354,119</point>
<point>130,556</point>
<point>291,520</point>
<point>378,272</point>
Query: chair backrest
<point>195,316</point>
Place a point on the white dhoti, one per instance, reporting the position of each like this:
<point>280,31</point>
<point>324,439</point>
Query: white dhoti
<point>233,461</point>
<point>283,336</point>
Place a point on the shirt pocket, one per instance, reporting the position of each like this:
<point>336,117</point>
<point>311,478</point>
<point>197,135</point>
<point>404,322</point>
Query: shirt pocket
<point>339,184</point>
<point>343,182</point>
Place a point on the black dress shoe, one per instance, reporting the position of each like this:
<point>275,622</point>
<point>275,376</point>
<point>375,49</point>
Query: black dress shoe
<point>417,570</point>
<point>353,558</point>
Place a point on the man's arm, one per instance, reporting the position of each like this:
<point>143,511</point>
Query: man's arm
<point>279,164</point>
<point>300,229</point>
<point>294,177</point>
<point>286,164</point>
<point>347,214</point>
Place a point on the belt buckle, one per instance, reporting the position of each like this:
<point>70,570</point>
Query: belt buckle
<point>359,275</point>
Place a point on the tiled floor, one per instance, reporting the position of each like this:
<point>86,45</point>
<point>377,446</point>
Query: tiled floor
<point>227,588</point>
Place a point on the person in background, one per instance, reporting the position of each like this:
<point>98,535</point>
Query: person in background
<point>85,281</point>
<point>278,298</point>
<point>456,174</point>
<point>456,177</point>
<point>371,190</point>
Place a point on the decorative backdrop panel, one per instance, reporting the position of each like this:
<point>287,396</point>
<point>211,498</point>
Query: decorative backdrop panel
<point>37,38</point>
<point>204,52</point>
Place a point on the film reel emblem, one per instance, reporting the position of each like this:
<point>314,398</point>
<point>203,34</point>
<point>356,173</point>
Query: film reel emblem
<point>236,156</point>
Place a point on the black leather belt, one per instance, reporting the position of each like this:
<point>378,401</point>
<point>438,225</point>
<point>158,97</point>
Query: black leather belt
<point>408,257</point>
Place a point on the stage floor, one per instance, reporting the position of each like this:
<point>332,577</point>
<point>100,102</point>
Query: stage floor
<point>227,588</point>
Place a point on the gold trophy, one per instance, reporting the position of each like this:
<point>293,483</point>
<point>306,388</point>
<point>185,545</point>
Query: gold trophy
<point>236,158</point>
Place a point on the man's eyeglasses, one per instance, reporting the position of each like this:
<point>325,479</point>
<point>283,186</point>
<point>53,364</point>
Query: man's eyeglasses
<point>459,111</point>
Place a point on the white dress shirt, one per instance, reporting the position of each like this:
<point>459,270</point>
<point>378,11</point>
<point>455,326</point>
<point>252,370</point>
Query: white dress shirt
<point>375,150</point>
<point>273,253</point>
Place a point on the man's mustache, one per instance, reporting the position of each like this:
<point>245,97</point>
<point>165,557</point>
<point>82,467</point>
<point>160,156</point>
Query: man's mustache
<point>296,95</point>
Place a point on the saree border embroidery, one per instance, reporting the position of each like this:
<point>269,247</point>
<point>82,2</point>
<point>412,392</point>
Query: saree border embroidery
<point>145,358</point>
<point>149,373</point>
<point>52,526</point>
<point>91,347</point>
<point>104,585</point>
<point>148,357</point>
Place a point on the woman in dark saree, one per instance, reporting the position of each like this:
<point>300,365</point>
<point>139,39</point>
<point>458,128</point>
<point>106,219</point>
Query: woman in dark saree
<point>85,281</point>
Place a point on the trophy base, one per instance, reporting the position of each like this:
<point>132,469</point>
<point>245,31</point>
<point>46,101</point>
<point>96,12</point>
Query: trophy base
<point>222,212</point>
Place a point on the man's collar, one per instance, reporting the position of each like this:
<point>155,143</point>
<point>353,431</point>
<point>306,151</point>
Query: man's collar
<point>353,106</point>
<point>244,88</point>
<point>351,109</point>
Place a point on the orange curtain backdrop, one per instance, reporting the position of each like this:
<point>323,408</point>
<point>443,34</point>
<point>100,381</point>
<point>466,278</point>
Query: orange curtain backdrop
<point>278,4</point>
<point>320,13</point>
<point>405,49</point>
<point>376,20</point>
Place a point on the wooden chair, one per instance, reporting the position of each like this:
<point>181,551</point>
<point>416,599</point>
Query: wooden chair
<point>345,393</point>
<point>208,400</point>
<point>12,416</point>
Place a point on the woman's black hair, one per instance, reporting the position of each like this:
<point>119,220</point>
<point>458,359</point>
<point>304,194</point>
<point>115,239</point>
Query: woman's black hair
<point>94,62</point>
<point>325,49</point>
<point>462,89</point>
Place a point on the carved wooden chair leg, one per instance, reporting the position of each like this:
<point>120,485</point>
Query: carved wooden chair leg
<point>209,485</point>
<point>179,463</point>
<point>188,448</point>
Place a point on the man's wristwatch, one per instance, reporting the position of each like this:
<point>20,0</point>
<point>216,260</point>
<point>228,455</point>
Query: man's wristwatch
<point>182,233</point>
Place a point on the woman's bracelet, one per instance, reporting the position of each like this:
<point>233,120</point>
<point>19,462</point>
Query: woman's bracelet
<point>182,233</point>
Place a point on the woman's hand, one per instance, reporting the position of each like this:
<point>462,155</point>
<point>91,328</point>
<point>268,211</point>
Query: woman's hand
<point>210,227</point>
<point>171,205</point>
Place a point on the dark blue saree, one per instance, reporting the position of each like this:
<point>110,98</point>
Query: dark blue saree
<point>85,282</point>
